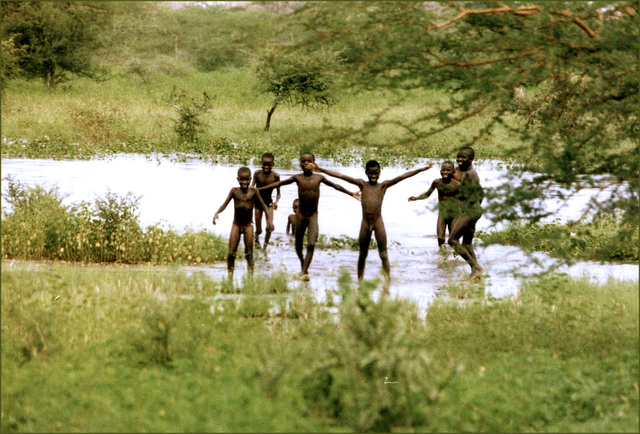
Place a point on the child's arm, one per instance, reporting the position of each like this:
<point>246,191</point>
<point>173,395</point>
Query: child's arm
<point>275,203</point>
<point>279,183</point>
<point>338,175</point>
<point>404,176</point>
<point>288,226</point>
<point>355,195</point>
<point>254,181</point>
<point>425,194</point>
<point>267,211</point>
<point>224,205</point>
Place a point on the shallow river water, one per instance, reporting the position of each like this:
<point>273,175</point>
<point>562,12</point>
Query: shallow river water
<point>187,194</point>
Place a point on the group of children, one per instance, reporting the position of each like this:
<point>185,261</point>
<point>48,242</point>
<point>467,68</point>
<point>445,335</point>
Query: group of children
<point>460,197</point>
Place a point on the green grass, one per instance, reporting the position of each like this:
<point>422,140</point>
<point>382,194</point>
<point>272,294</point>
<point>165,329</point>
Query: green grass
<point>600,240</point>
<point>122,114</point>
<point>38,226</point>
<point>114,349</point>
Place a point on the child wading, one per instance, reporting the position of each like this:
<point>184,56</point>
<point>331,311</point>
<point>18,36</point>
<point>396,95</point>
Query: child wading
<point>245,199</point>
<point>372,194</point>
<point>292,220</point>
<point>261,178</point>
<point>309,196</point>
<point>470,200</point>
<point>447,200</point>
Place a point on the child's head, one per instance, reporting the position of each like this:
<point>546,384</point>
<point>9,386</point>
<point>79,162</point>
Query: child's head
<point>296,205</point>
<point>465,157</point>
<point>267,162</point>
<point>305,159</point>
<point>372,170</point>
<point>446,169</point>
<point>244,176</point>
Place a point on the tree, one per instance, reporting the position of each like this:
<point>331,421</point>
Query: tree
<point>58,37</point>
<point>304,80</point>
<point>561,76</point>
<point>11,56</point>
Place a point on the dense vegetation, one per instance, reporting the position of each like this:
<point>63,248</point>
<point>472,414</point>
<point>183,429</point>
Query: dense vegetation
<point>551,85</point>
<point>548,87</point>
<point>94,349</point>
<point>39,226</point>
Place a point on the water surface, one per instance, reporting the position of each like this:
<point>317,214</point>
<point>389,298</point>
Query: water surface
<point>188,193</point>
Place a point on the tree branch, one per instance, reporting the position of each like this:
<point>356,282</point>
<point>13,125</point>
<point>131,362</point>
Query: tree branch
<point>522,11</point>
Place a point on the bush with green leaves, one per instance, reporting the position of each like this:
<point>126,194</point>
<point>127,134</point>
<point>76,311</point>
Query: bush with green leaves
<point>39,226</point>
<point>189,126</point>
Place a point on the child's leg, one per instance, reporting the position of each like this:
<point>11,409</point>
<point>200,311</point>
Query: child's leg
<point>234,240</point>
<point>312,237</point>
<point>302,225</point>
<point>258,218</point>
<point>458,228</point>
<point>364,238</point>
<point>467,238</point>
<point>267,235</point>
<point>440,231</point>
<point>381,239</point>
<point>248,247</point>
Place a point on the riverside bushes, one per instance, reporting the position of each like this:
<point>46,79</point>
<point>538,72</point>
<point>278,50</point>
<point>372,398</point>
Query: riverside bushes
<point>101,349</point>
<point>39,226</point>
<point>599,240</point>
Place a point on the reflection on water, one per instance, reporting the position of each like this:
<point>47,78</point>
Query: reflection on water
<point>187,194</point>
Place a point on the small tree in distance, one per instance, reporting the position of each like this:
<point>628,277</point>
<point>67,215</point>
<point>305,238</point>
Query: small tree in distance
<point>304,80</point>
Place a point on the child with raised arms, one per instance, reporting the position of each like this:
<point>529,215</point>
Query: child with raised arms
<point>307,215</point>
<point>447,208</point>
<point>371,195</point>
<point>245,199</point>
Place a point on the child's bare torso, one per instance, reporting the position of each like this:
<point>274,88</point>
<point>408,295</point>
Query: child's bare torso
<point>308,193</point>
<point>243,205</point>
<point>261,179</point>
<point>371,199</point>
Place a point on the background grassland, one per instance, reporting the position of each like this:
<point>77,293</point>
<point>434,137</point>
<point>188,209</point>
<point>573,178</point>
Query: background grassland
<point>137,349</point>
<point>125,114</point>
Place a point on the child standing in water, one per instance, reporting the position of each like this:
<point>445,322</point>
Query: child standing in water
<point>292,220</point>
<point>263,177</point>
<point>447,200</point>
<point>245,199</point>
<point>470,198</point>
<point>307,216</point>
<point>372,194</point>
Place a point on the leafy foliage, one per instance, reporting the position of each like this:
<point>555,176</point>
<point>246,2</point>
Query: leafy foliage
<point>297,79</point>
<point>39,226</point>
<point>562,77</point>
<point>189,125</point>
<point>57,37</point>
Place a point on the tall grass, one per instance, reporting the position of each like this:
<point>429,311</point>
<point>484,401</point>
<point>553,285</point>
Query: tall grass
<point>37,225</point>
<point>102,349</point>
<point>125,114</point>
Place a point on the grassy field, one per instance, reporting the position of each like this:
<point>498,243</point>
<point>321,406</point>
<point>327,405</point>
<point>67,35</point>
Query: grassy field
<point>133,349</point>
<point>124,114</point>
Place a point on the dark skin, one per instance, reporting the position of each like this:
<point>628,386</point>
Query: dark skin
<point>464,224</point>
<point>261,178</point>
<point>447,188</point>
<point>292,220</point>
<point>245,199</point>
<point>371,195</point>
<point>307,215</point>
